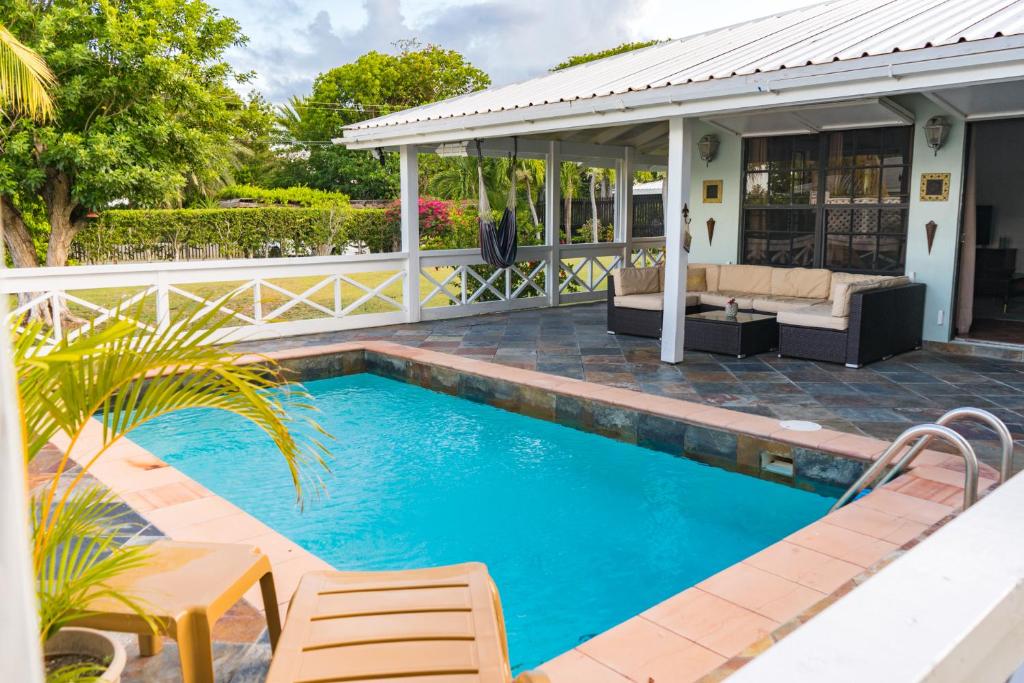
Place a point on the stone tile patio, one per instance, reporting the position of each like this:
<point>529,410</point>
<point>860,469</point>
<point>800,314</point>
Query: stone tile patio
<point>880,400</point>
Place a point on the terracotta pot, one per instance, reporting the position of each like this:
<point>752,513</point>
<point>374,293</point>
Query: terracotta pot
<point>85,641</point>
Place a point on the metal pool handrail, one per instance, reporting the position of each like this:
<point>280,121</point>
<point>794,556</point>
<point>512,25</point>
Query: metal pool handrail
<point>957,415</point>
<point>914,433</point>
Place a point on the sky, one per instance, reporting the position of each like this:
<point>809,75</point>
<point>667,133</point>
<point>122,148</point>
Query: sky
<point>292,41</point>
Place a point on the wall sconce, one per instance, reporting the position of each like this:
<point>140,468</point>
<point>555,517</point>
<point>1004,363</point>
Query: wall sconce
<point>687,236</point>
<point>929,229</point>
<point>711,230</point>
<point>708,148</point>
<point>936,130</point>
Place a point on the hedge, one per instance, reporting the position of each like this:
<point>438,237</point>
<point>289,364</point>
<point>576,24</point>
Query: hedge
<point>174,234</point>
<point>286,196</point>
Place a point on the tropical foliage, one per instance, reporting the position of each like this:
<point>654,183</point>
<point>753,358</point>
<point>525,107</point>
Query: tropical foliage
<point>594,56</point>
<point>146,113</point>
<point>373,85</point>
<point>286,196</point>
<point>122,377</point>
<point>236,233</point>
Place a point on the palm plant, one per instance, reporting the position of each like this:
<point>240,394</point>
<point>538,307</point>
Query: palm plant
<point>25,79</point>
<point>124,377</point>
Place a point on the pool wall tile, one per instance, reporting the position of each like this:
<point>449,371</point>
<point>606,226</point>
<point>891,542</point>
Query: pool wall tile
<point>826,472</point>
<point>712,446</point>
<point>573,412</point>
<point>314,367</point>
<point>444,380</point>
<point>536,402</point>
<point>617,423</point>
<point>387,366</point>
<point>661,433</point>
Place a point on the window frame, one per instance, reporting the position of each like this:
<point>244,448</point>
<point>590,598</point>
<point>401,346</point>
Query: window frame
<point>821,208</point>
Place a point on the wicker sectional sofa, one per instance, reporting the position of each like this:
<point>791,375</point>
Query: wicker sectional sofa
<point>844,318</point>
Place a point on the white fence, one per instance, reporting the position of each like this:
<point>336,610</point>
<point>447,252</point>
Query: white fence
<point>292,296</point>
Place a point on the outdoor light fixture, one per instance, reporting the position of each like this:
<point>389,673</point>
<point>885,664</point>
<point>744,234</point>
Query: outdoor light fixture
<point>936,130</point>
<point>708,148</point>
<point>687,236</point>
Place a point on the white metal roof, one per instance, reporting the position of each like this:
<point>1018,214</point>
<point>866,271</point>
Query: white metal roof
<point>836,31</point>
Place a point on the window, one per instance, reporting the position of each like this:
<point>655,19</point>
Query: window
<point>862,223</point>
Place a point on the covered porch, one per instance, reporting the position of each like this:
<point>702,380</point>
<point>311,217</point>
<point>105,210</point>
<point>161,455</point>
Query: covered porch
<point>743,118</point>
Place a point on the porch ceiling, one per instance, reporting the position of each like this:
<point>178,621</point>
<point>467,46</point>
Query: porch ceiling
<point>983,101</point>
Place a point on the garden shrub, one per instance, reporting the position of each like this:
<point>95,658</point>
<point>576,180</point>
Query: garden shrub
<point>286,196</point>
<point>173,234</point>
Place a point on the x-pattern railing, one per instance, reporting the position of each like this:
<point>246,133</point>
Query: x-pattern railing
<point>470,285</point>
<point>587,266</point>
<point>646,257</point>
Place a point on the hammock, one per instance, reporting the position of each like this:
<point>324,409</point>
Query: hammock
<point>498,243</point>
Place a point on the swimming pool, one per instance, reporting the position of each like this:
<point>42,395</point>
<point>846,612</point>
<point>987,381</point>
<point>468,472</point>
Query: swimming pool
<point>579,531</point>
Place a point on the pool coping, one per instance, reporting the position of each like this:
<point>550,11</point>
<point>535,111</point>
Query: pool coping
<point>704,632</point>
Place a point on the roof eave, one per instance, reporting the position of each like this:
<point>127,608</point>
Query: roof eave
<point>880,75</point>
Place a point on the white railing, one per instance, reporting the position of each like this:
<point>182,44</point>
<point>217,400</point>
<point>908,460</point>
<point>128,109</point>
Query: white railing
<point>584,270</point>
<point>457,282</point>
<point>267,297</point>
<point>290,296</point>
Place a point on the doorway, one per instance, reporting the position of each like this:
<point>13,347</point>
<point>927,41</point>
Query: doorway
<point>994,217</point>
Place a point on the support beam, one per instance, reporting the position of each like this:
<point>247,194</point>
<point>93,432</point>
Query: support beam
<point>624,203</point>
<point>409,198</point>
<point>552,216</point>
<point>680,161</point>
<point>19,648</point>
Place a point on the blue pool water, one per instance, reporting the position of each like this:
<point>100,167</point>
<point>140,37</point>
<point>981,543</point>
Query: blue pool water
<point>579,531</point>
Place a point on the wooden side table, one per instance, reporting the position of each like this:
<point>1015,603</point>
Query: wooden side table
<point>186,588</point>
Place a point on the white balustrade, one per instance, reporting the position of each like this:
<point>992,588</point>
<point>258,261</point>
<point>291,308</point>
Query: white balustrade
<point>267,298</point>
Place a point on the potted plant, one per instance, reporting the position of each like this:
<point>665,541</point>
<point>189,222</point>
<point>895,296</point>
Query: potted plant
<point>124,376</point>
<point>731,308</point>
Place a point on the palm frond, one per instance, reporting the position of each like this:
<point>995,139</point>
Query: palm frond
<point>126,379</point>
<point>79,552</point>
<point>25,79</point>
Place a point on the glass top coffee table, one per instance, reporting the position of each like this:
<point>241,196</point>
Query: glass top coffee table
<point>741,335</point>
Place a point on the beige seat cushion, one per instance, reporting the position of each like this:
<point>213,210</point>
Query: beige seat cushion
<point>696,279</point>
<point>775,304</point>
<point>746,279</point>
<point>845,289</point>
<point>711,271</point>
<point>719,299</point>
<point>815,315</point>
<point>807,283</point>
<point>637,281</point>
<point>651,302</point>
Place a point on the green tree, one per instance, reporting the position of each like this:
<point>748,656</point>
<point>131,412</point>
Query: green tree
<point>144,110</point>
<point>594,56</point>
<point>373,85</point>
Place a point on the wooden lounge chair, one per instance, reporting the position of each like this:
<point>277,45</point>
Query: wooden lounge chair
<point>438,624</point>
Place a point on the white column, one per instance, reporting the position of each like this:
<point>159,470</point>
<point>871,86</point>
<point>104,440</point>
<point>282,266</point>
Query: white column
<point>624,203</point>
<point>677,195</point>
<point>409,197</point>
<point>19,646</point>
<point>552,215</point>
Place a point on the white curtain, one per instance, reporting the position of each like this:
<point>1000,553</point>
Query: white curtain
<point>968,246</point>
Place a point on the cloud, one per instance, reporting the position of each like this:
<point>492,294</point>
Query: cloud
<point>292,42</point>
